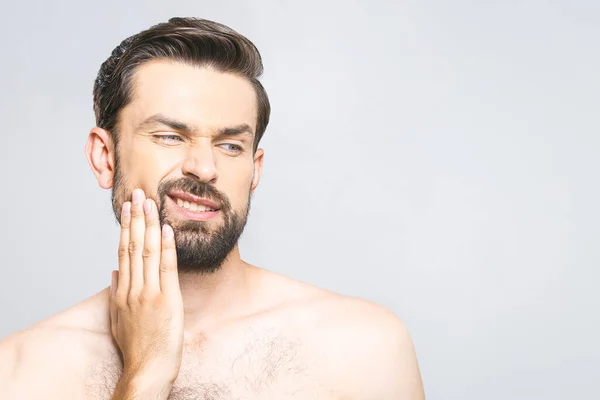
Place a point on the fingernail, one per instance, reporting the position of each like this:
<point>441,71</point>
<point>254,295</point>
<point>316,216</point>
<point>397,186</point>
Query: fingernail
<point>166,231</point>
<point>147,206</point>
<point>137,196</point>
<point>126,209</point>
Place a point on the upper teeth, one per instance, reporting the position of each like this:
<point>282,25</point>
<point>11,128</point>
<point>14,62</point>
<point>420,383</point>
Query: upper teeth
<point>193,206</point>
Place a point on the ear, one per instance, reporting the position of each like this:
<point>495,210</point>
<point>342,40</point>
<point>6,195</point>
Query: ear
<point>100,153</point>
<point>258,164</point>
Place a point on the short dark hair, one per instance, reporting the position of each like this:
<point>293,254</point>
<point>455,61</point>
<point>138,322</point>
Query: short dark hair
<point>193,41</point>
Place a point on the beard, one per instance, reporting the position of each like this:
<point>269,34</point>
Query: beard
<point>200,247</point>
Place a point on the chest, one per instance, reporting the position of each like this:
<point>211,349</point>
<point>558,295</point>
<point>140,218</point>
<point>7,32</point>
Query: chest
<point>265,365</point>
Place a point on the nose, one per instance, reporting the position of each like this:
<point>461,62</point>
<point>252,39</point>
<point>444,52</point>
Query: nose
<point>200,164</point>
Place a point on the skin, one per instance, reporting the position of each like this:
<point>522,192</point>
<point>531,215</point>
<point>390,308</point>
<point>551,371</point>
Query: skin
<point>240,332</point>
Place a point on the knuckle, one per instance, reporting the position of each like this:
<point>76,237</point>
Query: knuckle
<point>132,298</point>
<point>147,253</point>
<point>142,298</point>
<point>149,297</point>
<point>133,247</point>
<point>136,211</point>
<point>164,268</point>
<point>149,300</point>
<point>123,251</point>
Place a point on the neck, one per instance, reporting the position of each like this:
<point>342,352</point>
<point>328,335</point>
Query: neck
<point>208,298</point>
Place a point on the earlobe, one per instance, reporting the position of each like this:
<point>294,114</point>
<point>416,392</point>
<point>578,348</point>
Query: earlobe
<point>99,150</point>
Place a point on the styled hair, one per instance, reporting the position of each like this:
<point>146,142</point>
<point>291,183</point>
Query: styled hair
<point>193,41</point>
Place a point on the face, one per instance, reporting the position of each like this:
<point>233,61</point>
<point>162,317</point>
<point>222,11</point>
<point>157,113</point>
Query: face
<point>186,139</point>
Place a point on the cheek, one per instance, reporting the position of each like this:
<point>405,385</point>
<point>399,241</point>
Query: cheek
<point>145,169</point>
<point>238,184</point>
<point>147,160</point>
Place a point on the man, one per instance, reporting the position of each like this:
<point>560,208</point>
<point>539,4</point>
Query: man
<point>180,114</point>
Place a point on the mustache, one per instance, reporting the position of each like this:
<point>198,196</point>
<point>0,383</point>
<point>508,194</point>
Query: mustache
<point>195,188</point>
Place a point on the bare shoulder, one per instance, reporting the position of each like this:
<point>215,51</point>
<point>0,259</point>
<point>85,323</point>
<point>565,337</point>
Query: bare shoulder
<point>43,360</point>
<point>369,348</point>
<point>32,361</point>
<point>365,349</point>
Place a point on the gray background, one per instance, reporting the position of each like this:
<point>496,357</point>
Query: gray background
<point>436,157</point>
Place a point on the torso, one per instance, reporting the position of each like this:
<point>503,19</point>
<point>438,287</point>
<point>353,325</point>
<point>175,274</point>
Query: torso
<point>252,360</point>
<point>298,348</point>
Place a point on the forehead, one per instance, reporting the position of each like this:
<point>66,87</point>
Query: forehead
<point>200,96</point>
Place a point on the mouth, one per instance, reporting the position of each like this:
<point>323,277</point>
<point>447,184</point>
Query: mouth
<point>192,207</point>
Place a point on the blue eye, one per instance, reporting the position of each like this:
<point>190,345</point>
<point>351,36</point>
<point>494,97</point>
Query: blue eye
<point>234,148</point>
<point>169,138</point>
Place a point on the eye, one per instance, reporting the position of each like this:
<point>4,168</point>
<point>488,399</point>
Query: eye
<point>168,138</point>
<point>232,148</point>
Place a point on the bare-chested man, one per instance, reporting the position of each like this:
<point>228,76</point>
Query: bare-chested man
<point>180,114</point>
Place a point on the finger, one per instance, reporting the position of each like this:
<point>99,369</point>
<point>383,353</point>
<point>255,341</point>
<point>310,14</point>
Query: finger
<point>124,270</point>
<point>152,242</point>
<point>136,242</point>
<point>169,280</point>
<point>113,306</point>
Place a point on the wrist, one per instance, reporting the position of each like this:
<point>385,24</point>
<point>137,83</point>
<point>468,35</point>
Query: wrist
<point>143,386</point>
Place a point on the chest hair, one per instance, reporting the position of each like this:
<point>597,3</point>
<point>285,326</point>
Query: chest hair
<point>252,368</point>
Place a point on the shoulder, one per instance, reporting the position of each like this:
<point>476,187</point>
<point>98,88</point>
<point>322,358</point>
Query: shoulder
<point>35,360</point>
<point>356,320</point>
<point>333,312</point>
<point>362,350</point>
<point>47,356</point>
<point>369,350</point>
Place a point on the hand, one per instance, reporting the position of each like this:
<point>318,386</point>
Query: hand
<point>146,308</point>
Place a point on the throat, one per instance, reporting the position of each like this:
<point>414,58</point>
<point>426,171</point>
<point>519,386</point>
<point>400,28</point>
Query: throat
<point>225,294</point>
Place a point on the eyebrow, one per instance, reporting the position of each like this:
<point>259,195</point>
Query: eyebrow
<point>159,119</point>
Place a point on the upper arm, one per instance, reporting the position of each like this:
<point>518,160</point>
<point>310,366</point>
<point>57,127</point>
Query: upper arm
<point>397,365</point>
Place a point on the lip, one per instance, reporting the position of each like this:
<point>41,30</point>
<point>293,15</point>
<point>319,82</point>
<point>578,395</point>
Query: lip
<point>193,199</point>
<point>189,214</point>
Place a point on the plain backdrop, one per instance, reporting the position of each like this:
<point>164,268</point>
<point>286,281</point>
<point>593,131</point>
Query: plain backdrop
<point>436,157</point>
